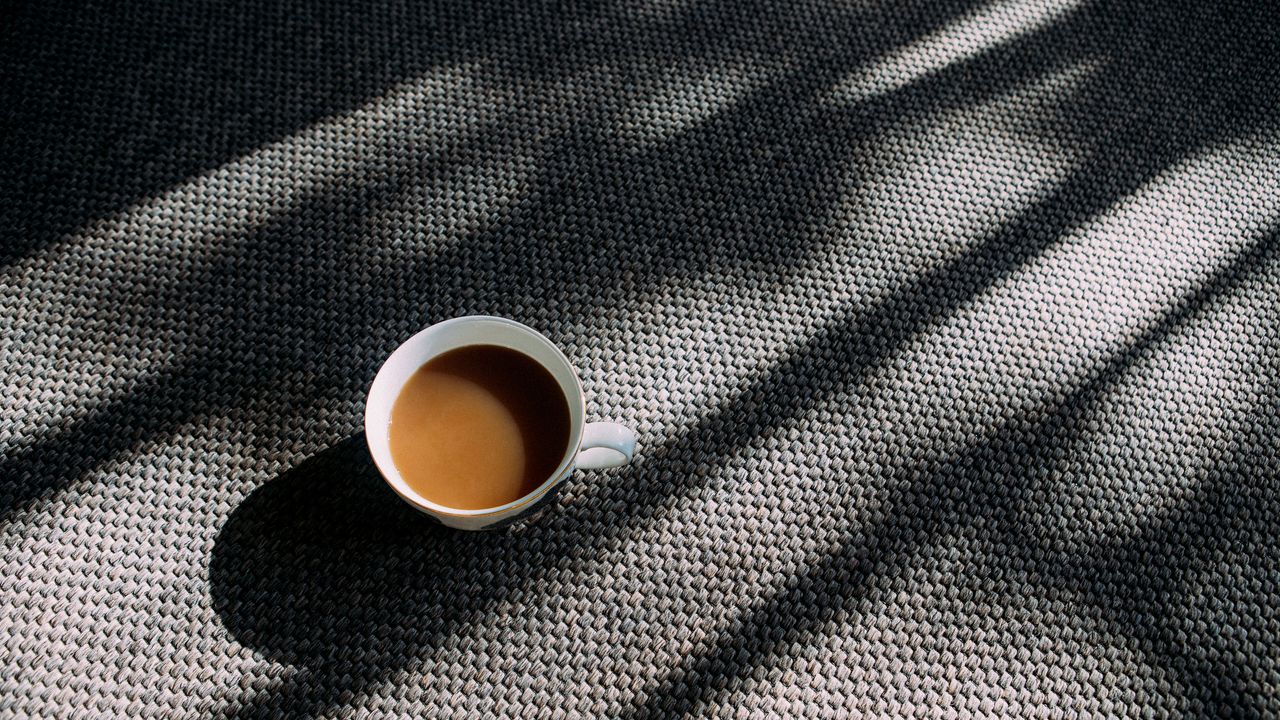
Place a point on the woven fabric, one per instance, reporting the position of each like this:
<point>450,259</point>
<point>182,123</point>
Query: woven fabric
<point>950,330</point>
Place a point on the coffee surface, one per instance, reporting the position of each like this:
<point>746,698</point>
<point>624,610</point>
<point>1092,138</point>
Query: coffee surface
<point>478,427</point>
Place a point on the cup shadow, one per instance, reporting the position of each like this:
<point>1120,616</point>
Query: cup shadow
<point>307,561</point>
<point>325,564</point>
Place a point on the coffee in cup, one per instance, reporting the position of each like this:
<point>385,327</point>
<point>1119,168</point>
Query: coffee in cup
<point>477,420</point>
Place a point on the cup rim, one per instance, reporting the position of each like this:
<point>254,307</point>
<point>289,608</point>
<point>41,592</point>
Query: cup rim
<point>557,475</point>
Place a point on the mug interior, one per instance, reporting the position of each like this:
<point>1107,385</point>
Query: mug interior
<point>449,335</point>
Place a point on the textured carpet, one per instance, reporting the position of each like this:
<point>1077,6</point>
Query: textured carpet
<point>951,332</point>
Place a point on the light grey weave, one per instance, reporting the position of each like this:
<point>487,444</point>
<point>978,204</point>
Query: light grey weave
<point>950,330</point>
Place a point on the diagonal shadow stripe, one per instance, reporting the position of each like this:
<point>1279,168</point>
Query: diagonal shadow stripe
<point>206,380</point>
<point>150,99</point>
<point>981,482</point>
<point>1143,584</point>
<point>1142,588</point>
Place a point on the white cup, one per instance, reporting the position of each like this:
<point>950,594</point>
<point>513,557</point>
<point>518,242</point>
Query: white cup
<point>591,446</point>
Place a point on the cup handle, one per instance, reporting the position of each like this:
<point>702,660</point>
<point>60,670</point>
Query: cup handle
<point>605,445</point>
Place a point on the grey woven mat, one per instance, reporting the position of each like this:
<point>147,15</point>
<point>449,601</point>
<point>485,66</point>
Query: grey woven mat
<point>951,331</point>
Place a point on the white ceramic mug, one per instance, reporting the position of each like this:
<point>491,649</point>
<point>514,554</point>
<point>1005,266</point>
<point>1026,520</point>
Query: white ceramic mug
<point>591,445</point>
